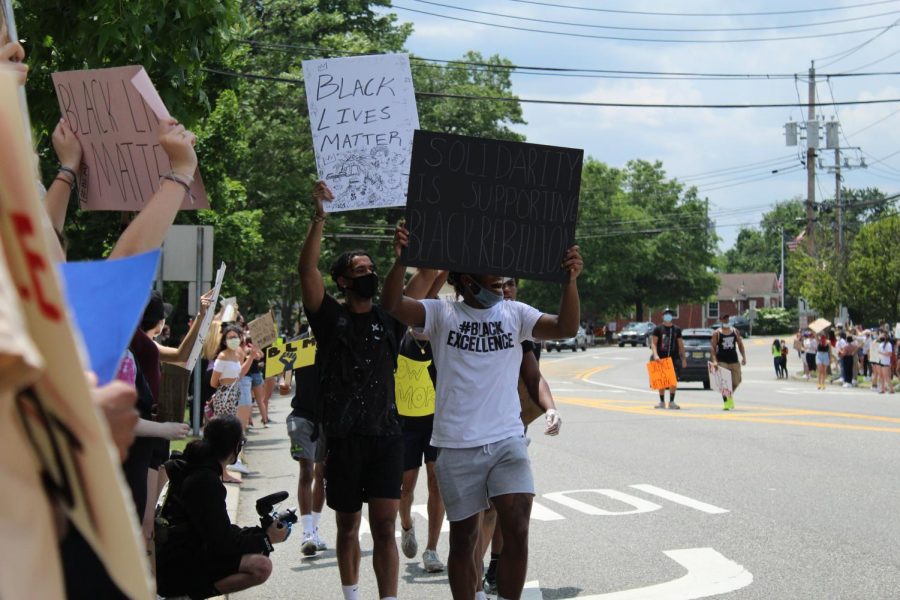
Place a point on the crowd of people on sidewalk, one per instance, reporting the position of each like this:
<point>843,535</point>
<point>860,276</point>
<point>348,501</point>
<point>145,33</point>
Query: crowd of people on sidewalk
<point>849,355</point>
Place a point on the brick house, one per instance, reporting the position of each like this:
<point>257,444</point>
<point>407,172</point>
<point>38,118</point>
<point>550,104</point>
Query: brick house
<point>738,293</point>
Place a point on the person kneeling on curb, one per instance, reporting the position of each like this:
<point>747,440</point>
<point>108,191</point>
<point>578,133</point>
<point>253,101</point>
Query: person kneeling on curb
<point>199,552</point>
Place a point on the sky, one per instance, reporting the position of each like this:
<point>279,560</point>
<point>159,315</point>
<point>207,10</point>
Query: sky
<point>730,155</point>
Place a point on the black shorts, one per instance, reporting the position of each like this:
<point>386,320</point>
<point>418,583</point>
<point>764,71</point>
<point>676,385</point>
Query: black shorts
<point>197,578</point>
<point>416,445</point>
<point>359,467</point>
<point>811,361</point>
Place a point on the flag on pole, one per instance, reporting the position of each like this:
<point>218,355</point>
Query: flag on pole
<point>795,243</point>
<point>780,281</point>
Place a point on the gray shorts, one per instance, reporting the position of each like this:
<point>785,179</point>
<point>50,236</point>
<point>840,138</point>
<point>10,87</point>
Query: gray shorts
<point>469,477</point>
<point>300,431</point>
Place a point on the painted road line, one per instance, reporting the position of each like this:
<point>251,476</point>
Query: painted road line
<point>679,499</point>
<point>620,387</point>
<point>539,512</point>
<point>532,591</point>
<point>708,574</point>
<point>638,505</point>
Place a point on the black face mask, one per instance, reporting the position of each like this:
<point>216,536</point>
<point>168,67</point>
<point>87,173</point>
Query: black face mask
<point>365,286</point>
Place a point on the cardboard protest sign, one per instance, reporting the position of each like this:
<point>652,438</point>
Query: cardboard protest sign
<point>362,110</point>
<point>207,319</point>
<point>662,374</point>
<point>53,425</point>
<point>720,379</point>
<point>262,331</point>
<point>119,133</point>
<point>173,387</point>
<point>491,207</point>
<point>107,299</point>
<point>413,388</point>
<point>293,355</point>
<point>531,410</point>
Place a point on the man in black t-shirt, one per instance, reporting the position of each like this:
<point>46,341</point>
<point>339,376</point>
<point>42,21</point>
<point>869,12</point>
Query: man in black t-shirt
<point>666,342</point>
<point>357,346</point>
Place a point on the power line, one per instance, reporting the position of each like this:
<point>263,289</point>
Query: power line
<point>874,123</point>
<point>874,62</point>
<point>844,54</point>
<point>457,63</point>
<point>633,39</point>
<point>675,14</point>
<point>655,29</point>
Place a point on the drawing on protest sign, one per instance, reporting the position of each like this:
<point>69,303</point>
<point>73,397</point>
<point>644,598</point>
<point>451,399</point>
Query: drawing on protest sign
<point>53,446</point>
<point>207,319</point>
<point>262,331</point>
<point>414,389</point>
<point>173,387</point>
<point>491,207</point>
<point>720,379</point>
<point>293,355</point>
<point>362,111</point>
<point>662,374</point>
<point>119,132</point>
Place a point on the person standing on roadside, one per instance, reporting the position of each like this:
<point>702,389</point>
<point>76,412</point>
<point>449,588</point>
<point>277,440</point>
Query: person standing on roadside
<point>885,351</point>
<point>726,341</point>
<point>666,342</point>
<point>823,360</point>
<point>810,347</point>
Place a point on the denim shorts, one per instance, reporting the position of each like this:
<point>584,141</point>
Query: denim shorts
<point>469,477</point>
<point>822,358</point>
<point>256,379</point>
<point>246,398</point>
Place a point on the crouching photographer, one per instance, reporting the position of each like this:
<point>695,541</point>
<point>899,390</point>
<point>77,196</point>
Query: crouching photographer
<point>199,552</point>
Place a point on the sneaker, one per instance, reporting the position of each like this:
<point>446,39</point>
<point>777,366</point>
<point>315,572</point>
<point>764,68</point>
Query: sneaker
<point>320,543</point>
<point>308,546</point>
<point>408,542</point>
<point>490,587</point>
<point>846,385</point>
<point>239,467</point>
<point>660,405</point>
<point>674,406</point>
<point>431,562</point>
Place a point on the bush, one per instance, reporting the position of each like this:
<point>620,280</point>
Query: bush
<point>774,320</point>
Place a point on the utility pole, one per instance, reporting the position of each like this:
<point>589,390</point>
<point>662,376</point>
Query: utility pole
<point>812,142</point>
<point>838,205</point>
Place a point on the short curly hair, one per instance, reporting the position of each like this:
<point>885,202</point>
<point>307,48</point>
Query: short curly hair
<point>342,263</point>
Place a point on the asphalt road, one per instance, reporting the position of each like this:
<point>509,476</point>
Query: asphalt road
<point>790,496</point>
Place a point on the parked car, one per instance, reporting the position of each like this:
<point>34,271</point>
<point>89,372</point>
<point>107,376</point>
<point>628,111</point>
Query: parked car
<point>579,341</point>
<point>698,353</point>
<point>636,333</point>
<point>739,322</point>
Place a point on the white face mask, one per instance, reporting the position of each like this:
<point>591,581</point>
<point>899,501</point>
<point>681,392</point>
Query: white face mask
<point>233,343</point>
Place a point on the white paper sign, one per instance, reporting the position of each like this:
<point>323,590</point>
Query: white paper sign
<point>720,379</point>
<point>362,110</point>
<point>207,319</point>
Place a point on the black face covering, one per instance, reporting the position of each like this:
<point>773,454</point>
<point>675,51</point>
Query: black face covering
<point>365,286</point>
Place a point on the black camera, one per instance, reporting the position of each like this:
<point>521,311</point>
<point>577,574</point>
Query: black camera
<point>265,508</point>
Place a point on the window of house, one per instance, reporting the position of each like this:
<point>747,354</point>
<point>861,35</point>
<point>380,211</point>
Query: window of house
<point>712,310</point>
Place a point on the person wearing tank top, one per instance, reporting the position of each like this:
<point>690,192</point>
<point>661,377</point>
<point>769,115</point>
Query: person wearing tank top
<point>726,342</point>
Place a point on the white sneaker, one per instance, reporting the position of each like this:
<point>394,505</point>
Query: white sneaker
<point>408,542</point>
<point>806,377</point>
<point>308,545</point>
<point>431,562</point>
<point>239,467</point>
<point>846,385</point>
<point>320,543</point>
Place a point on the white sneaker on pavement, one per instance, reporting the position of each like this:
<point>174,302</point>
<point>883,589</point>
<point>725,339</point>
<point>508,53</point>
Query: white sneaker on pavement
<point>432,562</point>
<point>408,542</point>
<point>320,543</point>
<point>308,545</point>
<point>239,467</point>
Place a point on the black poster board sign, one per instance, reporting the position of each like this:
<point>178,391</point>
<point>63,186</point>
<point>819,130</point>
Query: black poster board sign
<point>491,207</point>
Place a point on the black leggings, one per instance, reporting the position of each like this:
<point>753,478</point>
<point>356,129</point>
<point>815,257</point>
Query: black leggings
<point>847,368</point>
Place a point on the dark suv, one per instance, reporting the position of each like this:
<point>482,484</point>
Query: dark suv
<point>636,333</point>
<point>741,323</point>
<point>698,353</point>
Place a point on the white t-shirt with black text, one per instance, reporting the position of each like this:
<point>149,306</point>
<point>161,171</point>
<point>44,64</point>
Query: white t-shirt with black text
<point>478,353</point>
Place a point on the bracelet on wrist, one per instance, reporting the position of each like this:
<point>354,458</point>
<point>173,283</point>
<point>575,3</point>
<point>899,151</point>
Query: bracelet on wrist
<point>318,218</point>
<point>172,176</point>
<point>71,184</point>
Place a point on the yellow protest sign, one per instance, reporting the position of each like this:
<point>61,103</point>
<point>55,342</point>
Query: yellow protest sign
<point>54,426</point>
<point>662,374</point>
<point>413,388</point>
<point>293,355</point>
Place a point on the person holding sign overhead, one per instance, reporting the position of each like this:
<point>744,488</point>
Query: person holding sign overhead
<point>666,342</point>
<point>357,353</point>
<point>483,457</point>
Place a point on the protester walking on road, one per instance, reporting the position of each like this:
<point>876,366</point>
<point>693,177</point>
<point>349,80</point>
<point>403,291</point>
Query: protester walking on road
<point>477,424</point>
<point>726,341</point>
<point>666,342</point>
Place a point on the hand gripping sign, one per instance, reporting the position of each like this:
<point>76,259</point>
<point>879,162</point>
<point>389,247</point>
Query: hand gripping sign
<point>290,356</point>
<point>662,374</point>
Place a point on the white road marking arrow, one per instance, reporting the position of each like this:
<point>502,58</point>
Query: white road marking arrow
<point>708,574</point>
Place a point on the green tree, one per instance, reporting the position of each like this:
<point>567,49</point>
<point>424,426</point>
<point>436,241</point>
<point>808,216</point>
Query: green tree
<point>816,279</point>
<point>873,271</point>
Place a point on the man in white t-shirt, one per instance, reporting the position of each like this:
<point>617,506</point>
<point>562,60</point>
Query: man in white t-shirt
<point>477,350</point>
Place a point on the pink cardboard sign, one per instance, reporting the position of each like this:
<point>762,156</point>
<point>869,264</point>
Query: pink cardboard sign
<point>117,122</point>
